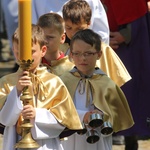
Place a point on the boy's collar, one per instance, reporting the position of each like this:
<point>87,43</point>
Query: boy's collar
<point>96,71</point>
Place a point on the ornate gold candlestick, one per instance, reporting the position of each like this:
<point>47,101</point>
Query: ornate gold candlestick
<point>27,140</point>
<point>25,56</point>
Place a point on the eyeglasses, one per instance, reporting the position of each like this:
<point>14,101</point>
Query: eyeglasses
<point>86,54</point>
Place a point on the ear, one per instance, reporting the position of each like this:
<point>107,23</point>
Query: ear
<point>71,57</point>
<point>44,50</point>
<point>63,38</point>
<point>99,55</point>
<point>89,23</point>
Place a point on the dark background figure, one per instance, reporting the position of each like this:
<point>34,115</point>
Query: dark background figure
<point>130,38</point>
<point>4,54</point>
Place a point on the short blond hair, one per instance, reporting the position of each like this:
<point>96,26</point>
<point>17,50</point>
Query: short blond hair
<point>37,35</point>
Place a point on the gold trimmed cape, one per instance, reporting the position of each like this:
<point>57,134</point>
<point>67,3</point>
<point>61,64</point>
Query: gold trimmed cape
<point>111,64</point>
<point>52,94</point>
<point>107,97</point>
<point>58,67</point>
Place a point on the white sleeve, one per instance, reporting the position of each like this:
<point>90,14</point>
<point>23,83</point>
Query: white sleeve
<point>45,125</point>
<point>11,110</point>
<point>99,22</point>
<point>81,114</point>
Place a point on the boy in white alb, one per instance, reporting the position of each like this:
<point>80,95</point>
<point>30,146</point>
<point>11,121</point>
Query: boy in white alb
<point>93,92</point>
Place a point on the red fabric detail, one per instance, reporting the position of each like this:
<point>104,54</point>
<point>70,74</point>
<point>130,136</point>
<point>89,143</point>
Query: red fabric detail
<point>61,55</point>
<point>44,61</point>
<point>121,12</point>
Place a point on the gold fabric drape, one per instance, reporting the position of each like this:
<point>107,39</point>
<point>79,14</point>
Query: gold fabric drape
<point>58,67</point>
<point>51,94</point>
<point>107,97</point>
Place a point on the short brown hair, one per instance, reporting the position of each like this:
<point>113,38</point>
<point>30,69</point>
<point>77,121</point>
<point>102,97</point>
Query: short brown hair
<point>89,37</point>
<point>52,20</point>
<point>77,11</point>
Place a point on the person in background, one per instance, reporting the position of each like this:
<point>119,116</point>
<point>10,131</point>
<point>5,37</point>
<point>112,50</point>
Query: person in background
<point>4,48</point>
<point>10,7</point>
<point>130,38</point>
<point>10,10</point>
<point>51,109</point>
<point>77,16</point>
<point>53,26</point>
<point>93,92</point>
<point>99,21</point>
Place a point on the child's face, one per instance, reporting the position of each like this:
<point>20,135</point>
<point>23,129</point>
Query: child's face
<point>37,53</point>
<point>84,57</point>
<point>72,28</point>
<point>54,39</point>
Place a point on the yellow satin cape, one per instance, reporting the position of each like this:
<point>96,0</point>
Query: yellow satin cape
<point>58,67</point>
<point>111,64</point>
<point>107,97</point>
<point>51,94</point>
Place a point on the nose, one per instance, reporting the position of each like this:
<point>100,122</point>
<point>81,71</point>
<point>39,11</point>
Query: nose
<point>83,57</point>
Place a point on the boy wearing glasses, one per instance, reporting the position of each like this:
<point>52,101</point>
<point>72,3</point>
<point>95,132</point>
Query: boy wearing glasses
<point>93,92</point>
<point>77,16</point>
